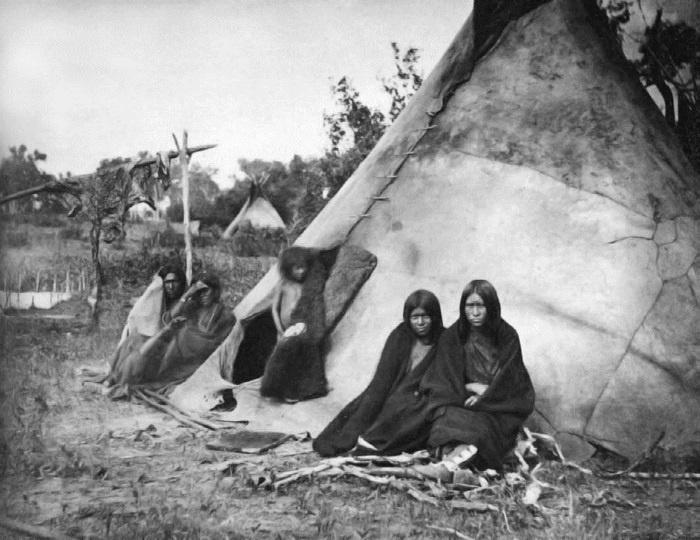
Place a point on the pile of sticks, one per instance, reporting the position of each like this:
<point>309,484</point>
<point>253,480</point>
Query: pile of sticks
<point>163,404</point>
<point>398,472</point>
<point>393,471</point>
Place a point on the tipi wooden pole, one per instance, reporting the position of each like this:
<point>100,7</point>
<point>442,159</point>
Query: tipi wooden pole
<point>185,204</point>
<point>68,279</point>
<point>38,281</point>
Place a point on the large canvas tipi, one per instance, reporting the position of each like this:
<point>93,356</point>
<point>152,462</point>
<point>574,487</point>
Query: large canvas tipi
<point>533,158</point>
<point>257,211</point>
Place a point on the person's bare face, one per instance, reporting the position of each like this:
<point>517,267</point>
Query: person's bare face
<point>299,272</point>
<point>172,285</point>
<point>421,322</point>
<point>206,297</point>
<point>475,310</point>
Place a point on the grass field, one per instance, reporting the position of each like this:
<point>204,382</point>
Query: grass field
<point>77,464</point>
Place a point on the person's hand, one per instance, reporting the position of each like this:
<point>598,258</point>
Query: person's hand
<point>295,330</point>
<point>194,289</point>
<point>476,388</point>
<point>178,321</point>
<point>198,286</point>
<point>471,401</point>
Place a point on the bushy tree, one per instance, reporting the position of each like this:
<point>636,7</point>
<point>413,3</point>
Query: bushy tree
<point>227,205</point>
<point>353,130</point>
<point>203,193</point>
<point>20,171</point>
<point>356,124</point>
<point>670,62</point>
<point>405,82</point>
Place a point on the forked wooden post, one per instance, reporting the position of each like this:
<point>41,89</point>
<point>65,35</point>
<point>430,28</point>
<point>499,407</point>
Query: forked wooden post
<point>185,203</point>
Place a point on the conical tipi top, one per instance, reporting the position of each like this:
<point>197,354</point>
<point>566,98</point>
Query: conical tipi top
<point>531,157</point>
<point>257,211</point>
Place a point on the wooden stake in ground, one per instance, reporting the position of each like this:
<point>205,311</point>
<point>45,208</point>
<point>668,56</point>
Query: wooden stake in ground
<point>184,164</point>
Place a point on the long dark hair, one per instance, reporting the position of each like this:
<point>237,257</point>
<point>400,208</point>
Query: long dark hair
<point>429,302</point>
<point>212,281</point>
<point>493,308</point>
<point>293,256</point>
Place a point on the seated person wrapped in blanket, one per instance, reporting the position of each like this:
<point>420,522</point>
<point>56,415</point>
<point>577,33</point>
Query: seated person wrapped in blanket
<point>479,391</point>
<point>390,416</point>
<point>148,316</point>
<point>190,331</point>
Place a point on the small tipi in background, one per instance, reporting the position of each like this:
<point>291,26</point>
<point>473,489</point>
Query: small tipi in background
<point>257,210</point>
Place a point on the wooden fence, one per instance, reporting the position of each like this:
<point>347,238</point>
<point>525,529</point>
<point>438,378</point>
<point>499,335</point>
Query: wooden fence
<point>42,289</point>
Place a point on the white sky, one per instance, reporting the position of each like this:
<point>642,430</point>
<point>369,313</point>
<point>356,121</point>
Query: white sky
<point>83,80</point>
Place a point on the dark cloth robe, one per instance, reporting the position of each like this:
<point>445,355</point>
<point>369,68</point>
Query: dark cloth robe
<point>192,343</point>
<point>391,413</point>
<point>493,422</point>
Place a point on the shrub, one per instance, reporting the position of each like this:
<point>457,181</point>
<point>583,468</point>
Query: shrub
<point>250,242</point>
<point>73,231</point>
<point>17,238</point>
<point>40,219</point>
<point>169,239</point>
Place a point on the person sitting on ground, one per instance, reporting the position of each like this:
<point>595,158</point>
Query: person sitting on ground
<point>195,328</point>
<point>478,388</point>
<point>295,369</point>
<point>389,417</point>
<point>174,282</point>
<point>148,316</point>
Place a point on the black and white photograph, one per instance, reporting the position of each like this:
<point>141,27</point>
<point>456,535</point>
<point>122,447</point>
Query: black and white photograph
<point>350,269</point>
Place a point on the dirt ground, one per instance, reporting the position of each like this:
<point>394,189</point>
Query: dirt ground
<point>77,464</point>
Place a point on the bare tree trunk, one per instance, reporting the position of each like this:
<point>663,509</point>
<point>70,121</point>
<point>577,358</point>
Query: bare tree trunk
<point>95,233</point>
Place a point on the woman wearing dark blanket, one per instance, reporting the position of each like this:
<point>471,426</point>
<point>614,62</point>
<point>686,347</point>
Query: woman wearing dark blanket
<point>194,331</point>
<point>390,415</point>
<point>479,391</point>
